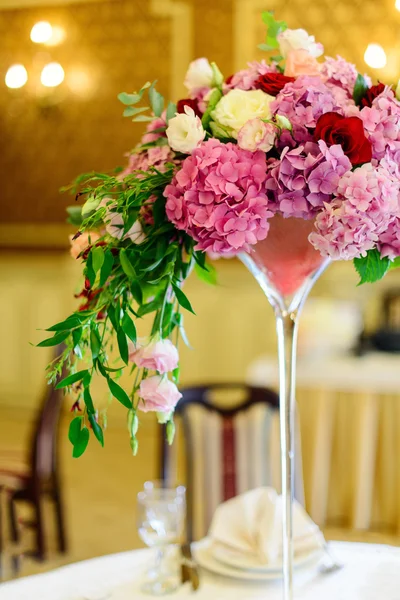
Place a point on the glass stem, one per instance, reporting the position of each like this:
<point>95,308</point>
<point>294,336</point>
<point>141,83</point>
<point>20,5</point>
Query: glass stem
<point>286,325</point>
<point>159,560</point>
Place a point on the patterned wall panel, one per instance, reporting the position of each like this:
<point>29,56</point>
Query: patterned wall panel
<point>110,46</point>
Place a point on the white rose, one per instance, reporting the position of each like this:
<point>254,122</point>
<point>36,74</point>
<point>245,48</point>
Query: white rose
<point>115,228</point>
<point>239,106</point>
<point>185,131</point>
<point>398,91</point>
<point>298,39</point>
<point>257,135</point>
<point>199,75</point>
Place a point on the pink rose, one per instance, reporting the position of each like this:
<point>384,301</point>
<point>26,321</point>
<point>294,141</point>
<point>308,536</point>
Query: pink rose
<point>159,394</point>
<point>86,239</point>
<point>301,62</point>
<point>156,354</point>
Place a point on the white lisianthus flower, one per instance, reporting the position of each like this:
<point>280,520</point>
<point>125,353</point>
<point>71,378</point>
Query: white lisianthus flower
<point>398,91</point>
<point>185,131</point>
<point>257,135</point>
<point>199,75</point>
<point>239,106</point>
<point>283,122</point>
<point>115,228</point>
<point>298,39</point>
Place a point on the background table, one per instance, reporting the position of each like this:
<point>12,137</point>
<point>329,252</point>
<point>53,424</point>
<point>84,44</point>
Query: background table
<point>371,572</point>
<point>350,417</point>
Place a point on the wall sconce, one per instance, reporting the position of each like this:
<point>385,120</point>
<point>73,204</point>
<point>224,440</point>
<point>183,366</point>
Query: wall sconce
<point>52,75</point>
<point>375,56</point>
<point>41,32</point>
<point>16,76</point>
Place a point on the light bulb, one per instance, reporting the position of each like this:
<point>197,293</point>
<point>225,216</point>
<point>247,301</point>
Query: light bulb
<point>52,75</point>
<point>375,56</point>
<point>16,76</point>
<point>41,32</point>
<point>397,4</point>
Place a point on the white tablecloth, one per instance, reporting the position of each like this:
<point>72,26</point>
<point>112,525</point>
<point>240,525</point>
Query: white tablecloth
<point>371,572</point>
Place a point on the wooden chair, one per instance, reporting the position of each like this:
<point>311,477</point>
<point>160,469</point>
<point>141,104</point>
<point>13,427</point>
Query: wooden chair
<point>41,479</point>
<point>227,450</point>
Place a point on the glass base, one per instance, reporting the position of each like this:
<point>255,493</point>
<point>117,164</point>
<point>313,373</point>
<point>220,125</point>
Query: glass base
<point>160,587</point>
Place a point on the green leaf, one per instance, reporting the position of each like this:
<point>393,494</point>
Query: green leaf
<point>97,430</point>
<point>171,110</point>
<point>156,100</point>
<point>88,400</point>
<point>119,393</point>
<point>207,274</point>
<point>131,111</point>
<point>274,28</point>
<point>114,318</point>
<point>69,323</point>
<point>371,267</point>
<point>143,119</point>
<point>71,379</point>
<point>215,97</point>
<point>360,89</point>
<point>123,345</point>
<point>182,299</point>
<point>136,291</point>
<point>107,267</point>
<point>95,342</point>
<point>74,215</point>
<point>81,443</point>
<point>74,429</point>
<point>145,309</point>
<point>126,264</point>
<point>97,258</point>
<point>129,99</point>
<point>76,338</point>
<point>218,78</point>
<point>89,271</point>
<point>55,340</point>
<point>129,328</point>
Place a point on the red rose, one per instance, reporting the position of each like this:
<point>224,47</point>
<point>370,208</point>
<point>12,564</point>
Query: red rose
<point>272,83</point>
<point>193,103</point>
<point>372,93</point>
<point>348,132</point>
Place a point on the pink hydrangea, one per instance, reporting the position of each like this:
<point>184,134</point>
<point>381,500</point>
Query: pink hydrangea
<point>156,157</point>
<point>305,178</point>
<point>343,232</point>
<point>303,102</point>
<point>351,225</point>
<point>245,79</point>
<point>339,73</point>
<point>389,240</point>
<point>382,123</point>
<point>218,197</point>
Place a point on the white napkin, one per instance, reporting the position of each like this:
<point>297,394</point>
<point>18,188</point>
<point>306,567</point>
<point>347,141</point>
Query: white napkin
<point>252,524</point>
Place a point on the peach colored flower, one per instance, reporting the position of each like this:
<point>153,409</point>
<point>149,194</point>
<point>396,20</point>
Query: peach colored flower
<point>86,239</point>
<point>301,62</point>
<point>159,394</point>
<point>155,354</point>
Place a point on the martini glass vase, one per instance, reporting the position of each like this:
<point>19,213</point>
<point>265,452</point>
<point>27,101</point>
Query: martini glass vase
<point>286,267</point>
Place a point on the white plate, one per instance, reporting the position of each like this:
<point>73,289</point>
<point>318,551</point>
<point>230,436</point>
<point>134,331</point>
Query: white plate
<point>239,560</point>
<point>203,555</point>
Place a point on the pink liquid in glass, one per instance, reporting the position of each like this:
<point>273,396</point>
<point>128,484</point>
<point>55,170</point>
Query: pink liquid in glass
<point>286,256</point>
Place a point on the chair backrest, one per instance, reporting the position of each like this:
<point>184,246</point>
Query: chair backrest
<point>43,451</point>
<point>228,450</point>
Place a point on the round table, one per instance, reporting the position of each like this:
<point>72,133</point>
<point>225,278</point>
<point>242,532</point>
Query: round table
<point>371,572</point>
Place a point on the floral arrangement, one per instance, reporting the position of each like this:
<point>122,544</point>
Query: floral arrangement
<point>292,136</point>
